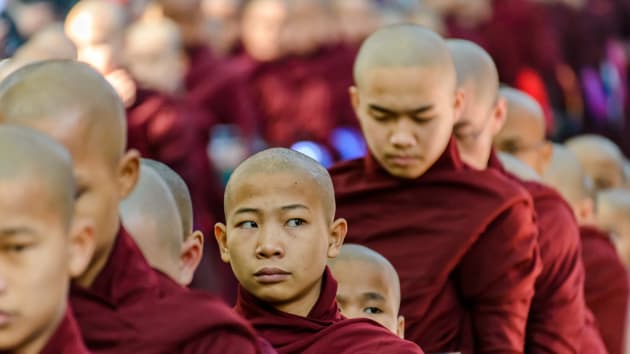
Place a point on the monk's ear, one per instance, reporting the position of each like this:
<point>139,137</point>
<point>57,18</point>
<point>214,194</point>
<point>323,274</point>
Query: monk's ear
<point>400,327</point>
<point>220,233</point>
<point>190,257</point>
<point>585,211</point>
<point>354,97</point>
<point>499,116</point>
<point>546,153</point>
<point>81,247</point>
<point>338,231</point>
<point>458,104</point>
<point>128,172</point>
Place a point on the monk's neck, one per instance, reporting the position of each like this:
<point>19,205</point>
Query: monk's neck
<point>303,305</point>
<point>95,267</point>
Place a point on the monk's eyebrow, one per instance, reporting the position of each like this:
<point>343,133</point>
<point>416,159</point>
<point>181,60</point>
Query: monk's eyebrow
<point>294,206</point>
<point>373,296</point>
<point>412,112</point>
<point>246,211</point>
<point>14,231</point>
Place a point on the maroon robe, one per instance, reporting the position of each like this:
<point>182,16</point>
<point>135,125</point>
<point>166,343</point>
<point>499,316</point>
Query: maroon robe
<point>172,131</point>
<point>66,339</point>
<point>324,330</point>
<point>464,244</point>
<point>132,308</point>
<point>558,313</point>
<point>607,287</point>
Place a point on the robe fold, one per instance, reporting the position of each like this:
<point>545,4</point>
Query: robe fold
<point>131,308</point>
<point>607,286</point>
<point>66,339</point>
<point>324,330</point>
<point>464,244</point>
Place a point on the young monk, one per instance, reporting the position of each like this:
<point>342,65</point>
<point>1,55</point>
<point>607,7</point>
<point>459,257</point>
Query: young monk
<point>368,287</point>
<point>41,247</point>
<point>122,305</point>
<point>613,216</point>
<point>556,318</point>
<point>280,230</point>
<point>602,160</point>
<point>606,287</point>
<point>410,200</point>
<point>155,220</point>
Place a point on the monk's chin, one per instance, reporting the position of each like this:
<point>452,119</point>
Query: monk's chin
<point>405,172</point>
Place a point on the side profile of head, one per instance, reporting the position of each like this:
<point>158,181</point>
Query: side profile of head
<point>523,133</point>
<point>405,98</point>
<point>518,167</point>
<point>41,247</point>
<point>565,174</point>
<point>280,228</point>
<point>483,112</point>
<point>158,215</point>
<point>613,215</point>
<point>601,158</point>
<point>72,103</point>
<point>368,287</point>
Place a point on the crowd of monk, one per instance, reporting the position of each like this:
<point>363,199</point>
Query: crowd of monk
<point>386,180</point>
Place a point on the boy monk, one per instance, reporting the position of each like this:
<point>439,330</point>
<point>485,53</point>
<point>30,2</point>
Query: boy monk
<point>613,215</point>
<point>368,287</point>
<point>606,287</point>
<point>602,160</point>
<point>153,217</point>
<point>280,230</point>
<point>556,318</point>
<point>40,247</point>
<point>464,242</point>
<point>122,305</point>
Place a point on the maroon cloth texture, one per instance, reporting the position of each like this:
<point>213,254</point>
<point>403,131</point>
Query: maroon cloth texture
<point>464,244</point>
<point>66,339</point>
<point>324,330</point>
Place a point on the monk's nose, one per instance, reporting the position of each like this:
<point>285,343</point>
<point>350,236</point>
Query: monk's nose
<point>269,244</point>
<point>402,135</point>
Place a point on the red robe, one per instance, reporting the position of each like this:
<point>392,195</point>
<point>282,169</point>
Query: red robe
<point>607,287</point>
<point>171,131</point>
<point>66,339</point>
<point>324,330</point>
<point>132,308</point>
<point>464,244</point>
<point>557,316</point>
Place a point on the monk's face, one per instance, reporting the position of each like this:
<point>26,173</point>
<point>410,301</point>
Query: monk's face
<point>606,173</point>
<point>263,29</point>
<point>35,265</point>
<point>407,117</point>
<point>367,291</point>
<point>278,239</point>
<point>524,140</point>
<point>101,182</point>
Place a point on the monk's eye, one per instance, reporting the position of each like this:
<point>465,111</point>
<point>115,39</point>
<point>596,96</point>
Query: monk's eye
<point>247,225</point>
<point>380,116</point>
<point>372,310</point>
<point>295,222</point>
<point>421,120</point>
<point>15,248</point>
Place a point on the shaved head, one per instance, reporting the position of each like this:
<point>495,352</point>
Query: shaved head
<point>475,70</point>
<point>151,216</point>
<point>178,189</point>
<point>518,167</point>
<point>565,173</point>
<point>30,158</point>
<point>161,33</point>
<point>353,252</point>
<point>49,43</point>
<point>281,160</point>
<point>523,109</point>
<point>601,158</point>
<point>93,21</point>
<point>404,46</point>
<point>62,95</point>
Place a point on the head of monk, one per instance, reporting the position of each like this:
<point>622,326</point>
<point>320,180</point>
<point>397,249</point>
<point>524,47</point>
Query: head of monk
<point>280,228</point>
<point>368,287</point>
<point>304,30</point>
<point>613,215</point>
<point>75,105</point>
<point>357,19</point>
<point>523,133</point>
<point>262,28</point>
<point>159,218</point>
<point>483,111</point>
<point>155,55</point>
<point>565,173</point>
<point>41,247</point>
<point>224,21</point>
<point>97,29</point>
<point>405,98</point>
<point>601,158</point>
